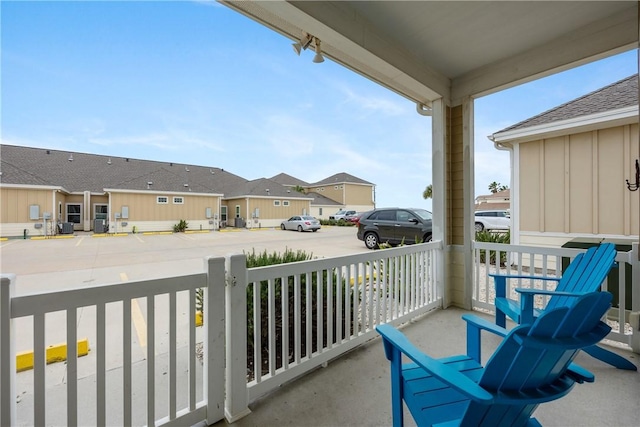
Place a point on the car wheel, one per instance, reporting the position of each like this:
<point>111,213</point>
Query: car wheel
<point>315,229</point>
<point>282,226</point>
<point>371,240</point>
<point>426,238</point>
<point>479,226</point>
<point>300,228</point>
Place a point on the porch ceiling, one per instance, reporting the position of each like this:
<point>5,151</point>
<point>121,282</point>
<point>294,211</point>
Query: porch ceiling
<point>425,50</point>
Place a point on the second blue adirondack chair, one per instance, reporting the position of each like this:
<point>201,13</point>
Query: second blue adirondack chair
<point>583,275</point>
<point>531,366</point>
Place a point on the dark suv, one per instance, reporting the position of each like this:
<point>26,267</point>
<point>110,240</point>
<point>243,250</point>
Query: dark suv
<point>394,226</point>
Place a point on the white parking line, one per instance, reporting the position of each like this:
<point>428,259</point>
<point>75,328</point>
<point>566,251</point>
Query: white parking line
<point>138,237</point>
<point>80,241</point>
<point>137,317</point>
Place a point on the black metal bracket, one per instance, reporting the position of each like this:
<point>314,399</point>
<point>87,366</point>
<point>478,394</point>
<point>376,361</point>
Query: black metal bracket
<point>636,185</point>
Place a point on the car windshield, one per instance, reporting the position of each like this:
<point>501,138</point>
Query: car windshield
<point>422,213</point>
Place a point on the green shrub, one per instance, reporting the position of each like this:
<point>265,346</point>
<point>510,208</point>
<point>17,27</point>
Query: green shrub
<point>264,259</point>
<point>181,226</point>
<point>493,237</point>
<point>339,223</point>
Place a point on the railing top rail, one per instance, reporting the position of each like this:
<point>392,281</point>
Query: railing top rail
<point>40,303</point>
<point>280,270</point>
<point>621,256</point>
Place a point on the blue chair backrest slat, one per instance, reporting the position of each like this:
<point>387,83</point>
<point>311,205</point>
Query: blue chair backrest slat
<point>585,274</point>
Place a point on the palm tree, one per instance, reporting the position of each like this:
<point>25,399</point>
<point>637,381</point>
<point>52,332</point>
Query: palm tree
<point>428,192</point>
<point>494,187</point>
<point>299,189</point>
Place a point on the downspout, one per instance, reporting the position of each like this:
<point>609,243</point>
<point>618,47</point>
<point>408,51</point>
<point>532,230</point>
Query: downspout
<point>424,110</point>
<point>514,199</point>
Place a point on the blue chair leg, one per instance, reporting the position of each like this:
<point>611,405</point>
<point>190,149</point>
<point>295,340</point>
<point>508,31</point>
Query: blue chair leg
<point>610,357</point>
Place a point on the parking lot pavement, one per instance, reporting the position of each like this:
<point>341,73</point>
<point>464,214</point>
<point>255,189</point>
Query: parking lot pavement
<point>83,261</point>
<point>54,264</point>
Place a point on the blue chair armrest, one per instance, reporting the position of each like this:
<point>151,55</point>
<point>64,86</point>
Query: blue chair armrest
<point>526,300</point>
<point>396,341</point>
<point>475,325</point>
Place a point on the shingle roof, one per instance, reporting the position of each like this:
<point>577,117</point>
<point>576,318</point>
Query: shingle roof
<point>621,94</point>
<point>320,200</point>
<point>341,178</point>
<point>259,187</point>
<point>77,172</point>
<point>288,180</point>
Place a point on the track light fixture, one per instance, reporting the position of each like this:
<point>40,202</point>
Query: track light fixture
<point>304,44</point>
<point>318,58</point>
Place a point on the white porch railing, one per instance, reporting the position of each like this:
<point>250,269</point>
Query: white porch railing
<point>533,260</point>
<point>170,322</point>
<point>297,334</point>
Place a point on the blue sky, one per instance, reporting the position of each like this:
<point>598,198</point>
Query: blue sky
<point>198,83</point>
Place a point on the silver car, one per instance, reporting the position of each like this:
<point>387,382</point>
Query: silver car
<point>301,223</point>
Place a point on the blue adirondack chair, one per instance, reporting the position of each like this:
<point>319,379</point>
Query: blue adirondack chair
<point>583,275</point>
<point>532,365</point>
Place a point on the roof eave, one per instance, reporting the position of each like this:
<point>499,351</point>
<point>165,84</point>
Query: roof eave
<point>619,117</point>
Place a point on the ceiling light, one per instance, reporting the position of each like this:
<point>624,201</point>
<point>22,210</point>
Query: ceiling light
<point>303,44</point>
<point>318,58</point>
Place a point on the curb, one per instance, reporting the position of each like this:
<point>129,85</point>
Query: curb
<point>110,235</point>
<point>152,233</point>
<point>68,236</point>
<point>196,231</point>
<point>54,353</point>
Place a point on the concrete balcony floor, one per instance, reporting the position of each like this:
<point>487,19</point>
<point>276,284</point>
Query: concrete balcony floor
<point>355,390</point>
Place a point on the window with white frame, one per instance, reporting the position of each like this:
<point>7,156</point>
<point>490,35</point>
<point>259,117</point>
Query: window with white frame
<point>178,200</point>
<point>162,200</point>
<point>276,203</point>
<point>285,203</point>
<point>237,211</point>
<point>74,212</point>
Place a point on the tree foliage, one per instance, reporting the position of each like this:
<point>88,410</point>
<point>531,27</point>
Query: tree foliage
<point>495,187</point>
<point>428,192</point>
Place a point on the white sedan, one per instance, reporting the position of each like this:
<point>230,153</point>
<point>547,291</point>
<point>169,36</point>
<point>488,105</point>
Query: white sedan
<point>301,223</point>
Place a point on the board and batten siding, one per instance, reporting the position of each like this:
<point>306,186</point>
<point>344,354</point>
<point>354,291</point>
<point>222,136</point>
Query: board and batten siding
<point>358,195</point>
<point>575,185</point>
<point>144,207</point>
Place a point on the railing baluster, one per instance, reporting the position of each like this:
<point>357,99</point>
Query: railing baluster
<point>308,296</point>
<point>192,349</point>
<point>372,301</point>
<point>296,317</point>
<point>101,396</point>
<point>72,368</point>
<point>8,356</point>
<point>39,372</point>
<point>284,283</point>
<point>320,304</point>
<point>356,297</point>
<point>151,360</point>
<point>271,315</point>
<point>257,327</point>
<point>126,360</point>
<point>172,355</point>
<point>348,317</point>
<point>339,305</point>
<point>330,306</point>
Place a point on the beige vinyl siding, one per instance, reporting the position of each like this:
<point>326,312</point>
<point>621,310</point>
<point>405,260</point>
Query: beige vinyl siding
<point>361,195</point>
<point>330,191</point>
<point>15,202</point>
<point>575,184</point>
<point>144,207</point>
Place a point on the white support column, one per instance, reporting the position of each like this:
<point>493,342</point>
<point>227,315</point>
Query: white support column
<point>237,395</point>
<point>214,342</point>
<point>439,183</point>
<point>634,319</point>
<point>7,353</point>
<point>468,197</point>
